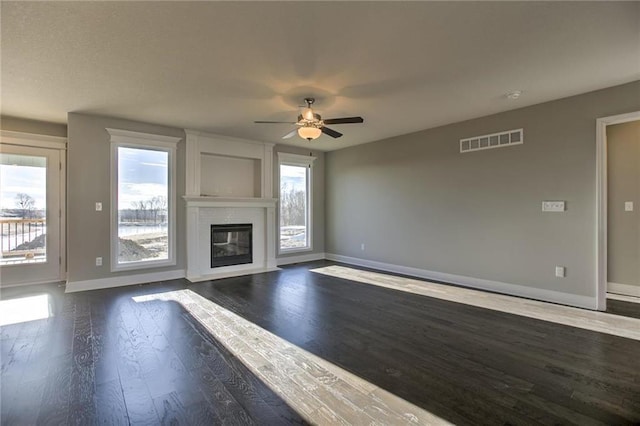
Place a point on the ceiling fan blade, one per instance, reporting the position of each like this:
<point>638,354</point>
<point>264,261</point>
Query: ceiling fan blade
<point>274,122</point>
<point>344,120</point>
<point>330,132</point>
<point>290,134</point>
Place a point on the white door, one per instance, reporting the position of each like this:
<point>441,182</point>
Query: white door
<point>30,215</point>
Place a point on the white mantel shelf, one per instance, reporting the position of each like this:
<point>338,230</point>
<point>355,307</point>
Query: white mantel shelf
<point>204,201</point>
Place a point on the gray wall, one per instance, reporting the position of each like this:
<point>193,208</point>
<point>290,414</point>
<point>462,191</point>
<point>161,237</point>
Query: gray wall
<point>623,158</point>
<point>318,195</point>
<point>16,124</point>
<point>415,201</point>
<point>88,181</point>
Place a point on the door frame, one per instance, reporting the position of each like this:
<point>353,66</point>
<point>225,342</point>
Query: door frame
<point>601,201</point>
<point>34,140</point>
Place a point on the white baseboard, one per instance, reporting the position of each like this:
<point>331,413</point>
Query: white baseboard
<point>124,280</point>
<point>626,289</point>
<point>26,284</point>
<point>478,283</point>
<point>299,259</point>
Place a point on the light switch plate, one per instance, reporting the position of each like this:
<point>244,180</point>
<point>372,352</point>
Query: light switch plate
<point>560,271</point>
<point>98,206</point>
<point>628,206</point>
<point>553,206</point>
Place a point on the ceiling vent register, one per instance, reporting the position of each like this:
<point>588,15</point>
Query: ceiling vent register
<point>494,140</point>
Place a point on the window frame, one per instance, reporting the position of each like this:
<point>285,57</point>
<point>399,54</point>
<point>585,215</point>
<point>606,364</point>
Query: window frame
<point>288,159</point>
<point>137,140</point>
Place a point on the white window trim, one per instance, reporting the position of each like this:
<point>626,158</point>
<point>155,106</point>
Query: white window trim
<point>285,158</point>
<point>48,142</point>
<point>129,139</point>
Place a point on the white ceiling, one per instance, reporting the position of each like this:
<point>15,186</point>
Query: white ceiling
<point>217,66</point>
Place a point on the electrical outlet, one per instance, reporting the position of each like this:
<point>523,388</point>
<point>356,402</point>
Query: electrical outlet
<point>98,206</point>
<point>98,261</point>
<point>553,206</point>
<point>560,271</point>
<point>362,246</point>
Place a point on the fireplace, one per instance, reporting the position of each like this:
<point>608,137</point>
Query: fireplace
<point>231,244</point>
<point>227,202</point>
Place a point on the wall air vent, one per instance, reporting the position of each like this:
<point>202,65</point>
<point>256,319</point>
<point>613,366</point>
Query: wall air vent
<point>494,140</point>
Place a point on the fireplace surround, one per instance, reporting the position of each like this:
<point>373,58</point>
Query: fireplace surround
<point>217,198</point>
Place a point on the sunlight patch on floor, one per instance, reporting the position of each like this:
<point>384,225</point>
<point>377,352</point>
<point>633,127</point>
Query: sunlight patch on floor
<point>23,309</point>
<point>318,390</point>
<point>601,322</point>
<point>623,298</point>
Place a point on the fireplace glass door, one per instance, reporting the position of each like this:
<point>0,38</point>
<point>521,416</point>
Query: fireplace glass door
<point>231,245</point>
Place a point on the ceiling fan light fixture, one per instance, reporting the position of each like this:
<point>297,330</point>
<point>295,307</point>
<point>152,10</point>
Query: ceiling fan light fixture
<point>310,125</point>
<point>309,133</point>
<point>307,114</point>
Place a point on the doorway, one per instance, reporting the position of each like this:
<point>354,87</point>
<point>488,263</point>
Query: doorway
<point>31,209</point>
<point>602,212</point>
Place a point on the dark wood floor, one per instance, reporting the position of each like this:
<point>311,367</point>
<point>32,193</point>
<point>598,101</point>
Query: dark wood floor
<point>626,309</point>
<point>105,359</point>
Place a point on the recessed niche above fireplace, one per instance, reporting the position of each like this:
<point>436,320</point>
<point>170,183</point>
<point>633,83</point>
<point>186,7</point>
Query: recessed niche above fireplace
<point>222,176</point>
<point>231,244</point>
<point>219,166</point>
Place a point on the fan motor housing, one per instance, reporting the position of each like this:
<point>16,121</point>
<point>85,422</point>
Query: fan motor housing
<point>317,120</point>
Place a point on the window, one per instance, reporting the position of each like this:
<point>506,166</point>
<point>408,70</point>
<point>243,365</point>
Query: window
<point>295,197</point>
<point>143,200</point>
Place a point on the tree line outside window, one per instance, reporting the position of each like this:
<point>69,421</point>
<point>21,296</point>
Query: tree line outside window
<point>153,210</point>
<point>293,208</point>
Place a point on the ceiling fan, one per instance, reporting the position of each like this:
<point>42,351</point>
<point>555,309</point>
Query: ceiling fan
<point>310,125</point>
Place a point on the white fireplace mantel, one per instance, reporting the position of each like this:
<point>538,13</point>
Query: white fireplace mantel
<point>204,211</point>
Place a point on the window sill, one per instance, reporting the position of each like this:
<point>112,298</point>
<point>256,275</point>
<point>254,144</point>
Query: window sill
<point>133,266</point>
<point>294,250</point>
